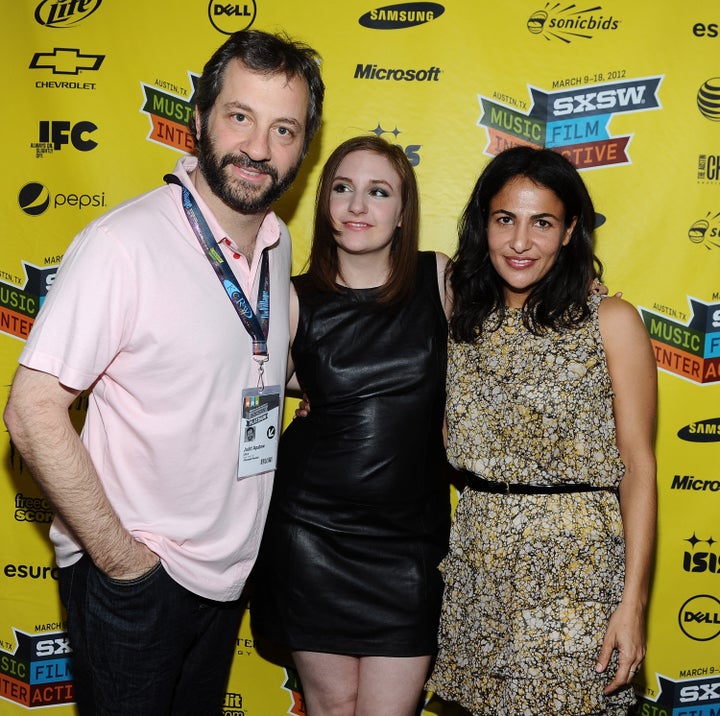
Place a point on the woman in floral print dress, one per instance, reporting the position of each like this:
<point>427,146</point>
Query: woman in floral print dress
<point>550,412</point>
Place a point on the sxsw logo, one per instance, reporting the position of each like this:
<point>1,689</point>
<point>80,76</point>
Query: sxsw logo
<point>691,349</point>
<point>169,113</point>
<point>19,305</point>
<point>574,122</point>
<point>691,696</point>
<point>38,673</point>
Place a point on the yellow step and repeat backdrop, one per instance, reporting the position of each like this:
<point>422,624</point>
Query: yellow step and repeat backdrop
<point>97,93</point>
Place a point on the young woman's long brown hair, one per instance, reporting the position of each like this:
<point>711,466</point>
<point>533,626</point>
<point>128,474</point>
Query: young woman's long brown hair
<point>323,267</point>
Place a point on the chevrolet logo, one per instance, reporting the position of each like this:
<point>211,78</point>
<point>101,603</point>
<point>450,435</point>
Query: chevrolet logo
<point>65,61</point>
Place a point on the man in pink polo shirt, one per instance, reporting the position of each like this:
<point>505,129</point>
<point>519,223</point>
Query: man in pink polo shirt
<point>172,310</point>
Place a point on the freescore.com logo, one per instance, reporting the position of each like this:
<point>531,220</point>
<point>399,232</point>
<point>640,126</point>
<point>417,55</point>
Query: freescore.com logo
<point>573,121</point>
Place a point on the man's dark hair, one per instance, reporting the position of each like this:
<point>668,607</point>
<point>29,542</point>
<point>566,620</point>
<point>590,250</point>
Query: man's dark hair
<point>267,54</point>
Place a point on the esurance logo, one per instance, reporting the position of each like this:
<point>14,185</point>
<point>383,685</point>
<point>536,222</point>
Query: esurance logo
<point>169,112</point>
<point>689,350</point>
<point>572,122</point>
<point>64,13</point>
<point>567,23</point>
<point>401,16</point>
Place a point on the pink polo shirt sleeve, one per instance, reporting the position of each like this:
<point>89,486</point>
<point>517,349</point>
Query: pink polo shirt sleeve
<point>138,315</point>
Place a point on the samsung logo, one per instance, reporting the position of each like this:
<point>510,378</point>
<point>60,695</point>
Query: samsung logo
<point>398,17</point>
<point>702,431</point>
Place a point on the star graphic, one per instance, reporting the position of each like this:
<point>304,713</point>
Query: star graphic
<point>692,540</point>
<point>379,131</point>
<point>710,541</point>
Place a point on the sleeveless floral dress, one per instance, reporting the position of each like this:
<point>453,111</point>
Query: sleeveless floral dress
<point>531,580</point>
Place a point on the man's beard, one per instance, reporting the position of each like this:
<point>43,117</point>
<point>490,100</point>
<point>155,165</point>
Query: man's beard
<point>236,194</point>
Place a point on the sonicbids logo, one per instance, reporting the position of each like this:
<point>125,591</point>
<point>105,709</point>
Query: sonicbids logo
<point>568,23</point>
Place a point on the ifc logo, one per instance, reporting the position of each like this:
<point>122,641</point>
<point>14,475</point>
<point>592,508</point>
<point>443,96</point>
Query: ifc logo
<point>34,198</point>
<point>708,99</point>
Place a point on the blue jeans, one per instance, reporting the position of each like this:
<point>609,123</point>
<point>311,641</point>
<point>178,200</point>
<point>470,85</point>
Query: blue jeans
<point>147,646</point>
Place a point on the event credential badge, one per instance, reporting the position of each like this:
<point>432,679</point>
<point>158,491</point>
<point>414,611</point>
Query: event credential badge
<point>259,430</point>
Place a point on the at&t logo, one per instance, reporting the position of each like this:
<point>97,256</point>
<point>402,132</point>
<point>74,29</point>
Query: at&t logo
<point>708,99</point>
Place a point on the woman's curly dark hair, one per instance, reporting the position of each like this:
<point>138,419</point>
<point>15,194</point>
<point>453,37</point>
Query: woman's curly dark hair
<point>559,300</point>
